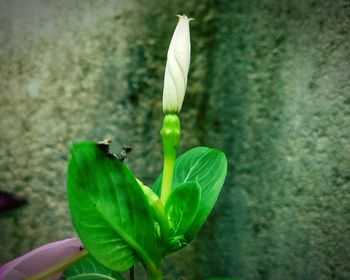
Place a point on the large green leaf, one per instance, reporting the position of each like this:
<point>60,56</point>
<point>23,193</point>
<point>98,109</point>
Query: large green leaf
<point>89,268</point>
<point>206,166</point>
<point>109,210</point>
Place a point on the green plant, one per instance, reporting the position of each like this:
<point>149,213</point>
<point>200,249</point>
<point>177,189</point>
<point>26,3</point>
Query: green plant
<point>120,221</point>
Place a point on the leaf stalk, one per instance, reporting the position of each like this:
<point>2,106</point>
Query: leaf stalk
<point>154,274</point>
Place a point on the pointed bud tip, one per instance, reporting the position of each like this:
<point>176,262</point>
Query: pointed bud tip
<point>185,17</point>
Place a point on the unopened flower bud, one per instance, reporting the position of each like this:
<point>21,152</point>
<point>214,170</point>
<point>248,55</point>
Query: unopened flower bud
<point>177,65</point>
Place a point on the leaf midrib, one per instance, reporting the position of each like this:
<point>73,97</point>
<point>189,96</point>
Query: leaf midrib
<point>130,241</point>
<point>194,165</point>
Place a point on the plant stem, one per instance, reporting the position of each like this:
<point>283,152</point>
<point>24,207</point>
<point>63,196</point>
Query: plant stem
<point>132,274</point>
<point>59,267</point>
<point>168,174</point>
<point>154,274</point>
<point>171,138</point>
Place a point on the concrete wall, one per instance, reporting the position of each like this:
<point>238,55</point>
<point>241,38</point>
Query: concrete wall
<point>269,84</point>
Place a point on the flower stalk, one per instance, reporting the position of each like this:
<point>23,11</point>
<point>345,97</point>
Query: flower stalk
<point>171,139</point>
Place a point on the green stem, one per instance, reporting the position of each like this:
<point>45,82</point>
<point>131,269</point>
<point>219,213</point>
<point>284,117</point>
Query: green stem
<point>168,174</point>
<point>154,274</point>
<point>59,267</point>
<point>132,273</point>
<point>171,138</point>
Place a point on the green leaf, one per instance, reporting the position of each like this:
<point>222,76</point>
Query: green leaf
<point>89,268</point>
<point>182,206</point>
<point>206,166</point>
<point>109,210</point>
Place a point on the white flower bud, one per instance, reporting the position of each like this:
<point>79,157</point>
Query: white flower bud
<point>177,65</point>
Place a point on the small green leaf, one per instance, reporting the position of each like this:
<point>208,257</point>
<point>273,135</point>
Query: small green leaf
<point>182,206</point>
<point>206,166</point>
<point>89,268</point>
<point>109,210</point>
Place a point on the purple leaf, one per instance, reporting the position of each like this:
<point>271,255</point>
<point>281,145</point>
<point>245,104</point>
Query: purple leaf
<point>39,259</point>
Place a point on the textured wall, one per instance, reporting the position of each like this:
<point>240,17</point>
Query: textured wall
<point>281,73</point>
<point>269,84</point>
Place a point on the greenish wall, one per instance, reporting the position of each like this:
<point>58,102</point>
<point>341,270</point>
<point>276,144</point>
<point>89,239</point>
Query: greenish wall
<point>269,84</point>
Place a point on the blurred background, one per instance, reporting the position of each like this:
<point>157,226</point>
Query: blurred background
<point>269,84</point>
